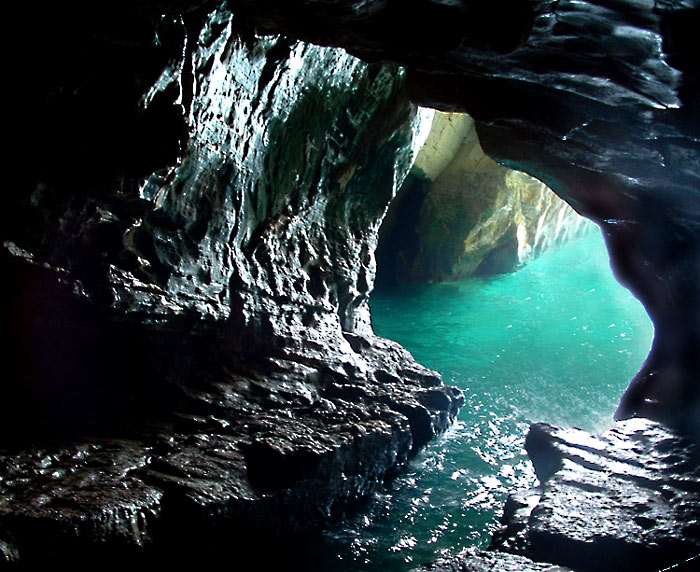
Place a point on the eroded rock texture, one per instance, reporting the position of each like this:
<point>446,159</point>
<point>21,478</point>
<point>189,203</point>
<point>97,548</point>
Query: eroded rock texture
<point>628,499</point>
<point>597,99</point>
<point>200,202</point>
<point>625,500</point>
<point>459,213</point>
<point>489,561</point>
<point>192,356</point>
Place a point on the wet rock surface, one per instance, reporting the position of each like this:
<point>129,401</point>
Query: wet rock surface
<point>490,561</point>
<point>599,100</point>
<point>192,442</point>
<point>460,214</point>
<point>627,499</point>
<point>192,359</point>
<point>241,452</point>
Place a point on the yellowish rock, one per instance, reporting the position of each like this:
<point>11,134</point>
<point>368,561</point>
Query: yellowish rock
<point>460,213</point>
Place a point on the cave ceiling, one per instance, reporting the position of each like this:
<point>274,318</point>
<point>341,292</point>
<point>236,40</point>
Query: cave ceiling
<point>598,99</point>
<point>193,202</point>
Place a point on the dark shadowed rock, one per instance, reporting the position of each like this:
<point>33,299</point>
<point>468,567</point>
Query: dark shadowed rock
<point>192,357</point>
<point>626,500</point>
<point>490,562</point>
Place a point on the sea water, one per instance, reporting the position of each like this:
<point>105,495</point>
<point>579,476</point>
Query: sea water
<point>557,341</point>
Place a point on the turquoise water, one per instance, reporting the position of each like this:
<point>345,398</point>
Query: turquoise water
<point>557,341</point>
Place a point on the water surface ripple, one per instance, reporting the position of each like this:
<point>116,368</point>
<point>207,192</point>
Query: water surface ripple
<point>557,341</point>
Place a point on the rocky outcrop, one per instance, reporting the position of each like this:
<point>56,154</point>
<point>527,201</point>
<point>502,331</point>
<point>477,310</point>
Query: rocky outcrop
<point>192,354</point>
<point>241,457</point>
<point>459,213</point>
<point>490,561</point>
<point>628,499</point>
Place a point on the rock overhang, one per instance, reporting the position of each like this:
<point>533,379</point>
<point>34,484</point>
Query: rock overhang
<point>617,140</point>
<point>599,101</point>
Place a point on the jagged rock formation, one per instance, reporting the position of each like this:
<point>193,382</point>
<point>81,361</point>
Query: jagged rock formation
<point>599,100</point>
<point>625,500</point>
<point>639,479</point>
<point>192,349</point>
<point>202,240</point>
<point>459,213</point>
<point>489,561</point>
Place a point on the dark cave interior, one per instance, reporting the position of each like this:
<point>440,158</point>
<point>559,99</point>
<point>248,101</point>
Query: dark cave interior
<point>195,193</point>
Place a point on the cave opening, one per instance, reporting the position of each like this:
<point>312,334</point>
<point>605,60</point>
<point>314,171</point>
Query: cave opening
<point>544,332</point>
<point>192,367</point>
<point>550,336</point>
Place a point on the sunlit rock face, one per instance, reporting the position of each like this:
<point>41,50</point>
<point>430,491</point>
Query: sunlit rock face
<point>459,213</point>
<point>599,100</point>
<point>472,561</point>
<point>192,357</point>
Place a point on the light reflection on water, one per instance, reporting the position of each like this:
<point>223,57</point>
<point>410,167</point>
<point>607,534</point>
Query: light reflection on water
<point>446,501</point>
<point>557,341</point>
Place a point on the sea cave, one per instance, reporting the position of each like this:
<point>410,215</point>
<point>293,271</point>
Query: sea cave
<point>203,196</point>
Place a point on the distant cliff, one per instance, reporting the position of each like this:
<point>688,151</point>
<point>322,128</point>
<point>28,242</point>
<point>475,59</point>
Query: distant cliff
<point>461,214</point>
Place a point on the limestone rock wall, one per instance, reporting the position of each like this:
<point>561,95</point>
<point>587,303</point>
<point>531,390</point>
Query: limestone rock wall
<point>459,213</point>
<point>192,359</point>
<point>598,99</point>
